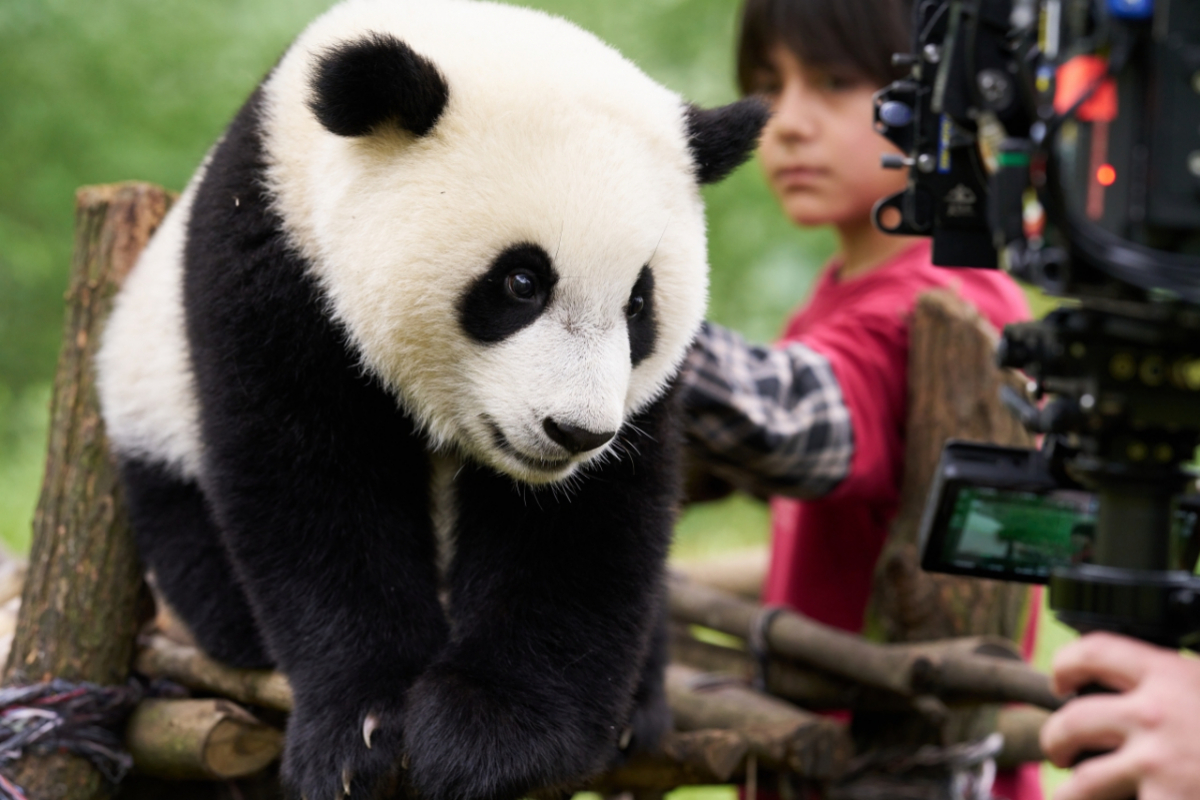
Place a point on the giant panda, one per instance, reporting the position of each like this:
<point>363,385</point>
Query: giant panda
<point>390,392</point>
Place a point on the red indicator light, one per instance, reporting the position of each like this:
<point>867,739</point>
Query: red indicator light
<point>1106,175</point>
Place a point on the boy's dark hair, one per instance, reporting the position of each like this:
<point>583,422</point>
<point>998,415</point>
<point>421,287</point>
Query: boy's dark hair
<point>854,35</point>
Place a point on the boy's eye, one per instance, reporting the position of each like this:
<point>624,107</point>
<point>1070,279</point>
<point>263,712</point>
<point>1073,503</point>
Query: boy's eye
<point>837,83</point>
<point>767,82</point>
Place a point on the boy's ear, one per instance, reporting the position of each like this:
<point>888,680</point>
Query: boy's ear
<point>360,84</point>
<point>721,139</point>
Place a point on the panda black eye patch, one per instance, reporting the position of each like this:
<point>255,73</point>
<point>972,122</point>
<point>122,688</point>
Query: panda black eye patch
<point>640,316</point>
<point>510,295</point>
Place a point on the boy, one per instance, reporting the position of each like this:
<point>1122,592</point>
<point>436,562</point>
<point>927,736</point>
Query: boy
<point>817,421</point>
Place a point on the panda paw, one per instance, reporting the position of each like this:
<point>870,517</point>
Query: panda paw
<point>334,752</point>
<point>471,736</point>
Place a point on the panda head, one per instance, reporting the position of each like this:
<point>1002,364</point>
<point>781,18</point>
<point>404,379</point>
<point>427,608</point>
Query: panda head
<point>505,216</point>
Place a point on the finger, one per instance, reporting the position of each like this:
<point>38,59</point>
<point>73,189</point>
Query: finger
<point>1094,723</point>
<point>1109,777</point>
<point>1114,661</point>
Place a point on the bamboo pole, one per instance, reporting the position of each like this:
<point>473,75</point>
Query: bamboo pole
<point>199,739</point>
<point>162,658</point>
<point>83,597</point>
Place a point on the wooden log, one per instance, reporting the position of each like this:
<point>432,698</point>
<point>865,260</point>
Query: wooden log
<point>953,392</point>
<point>199,739</point>
<point>808,688</point>
<point>83,598</point>
<point>162,658</point>
<point>907,670</point>
<point>1021,726</point>
<point>741,572</point>
<point>779,734</point>
<point>692,758</point>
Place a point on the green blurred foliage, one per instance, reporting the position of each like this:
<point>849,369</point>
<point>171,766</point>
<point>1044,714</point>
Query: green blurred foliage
<point>110,90</point>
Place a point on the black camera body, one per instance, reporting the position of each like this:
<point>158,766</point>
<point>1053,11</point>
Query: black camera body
<point>1060,140</point>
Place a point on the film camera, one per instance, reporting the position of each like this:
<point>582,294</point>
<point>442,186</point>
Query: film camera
<point>1060,140</point>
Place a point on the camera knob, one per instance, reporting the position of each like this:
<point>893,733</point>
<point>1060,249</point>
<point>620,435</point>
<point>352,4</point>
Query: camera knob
<point>895,114</point>
<point>893,161</point>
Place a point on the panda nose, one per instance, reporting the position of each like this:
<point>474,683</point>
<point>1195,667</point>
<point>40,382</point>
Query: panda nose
<point>574,438</point>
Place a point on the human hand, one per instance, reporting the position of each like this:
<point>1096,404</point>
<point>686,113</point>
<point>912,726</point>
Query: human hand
<point>1152,727</point>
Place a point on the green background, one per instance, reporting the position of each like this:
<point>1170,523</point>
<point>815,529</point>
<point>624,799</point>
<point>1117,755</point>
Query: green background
<point>111,90</point>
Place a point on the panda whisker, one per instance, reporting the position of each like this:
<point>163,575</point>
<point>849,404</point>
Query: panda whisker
<point>654,252</point>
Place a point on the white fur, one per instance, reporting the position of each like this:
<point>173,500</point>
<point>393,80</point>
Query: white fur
<point>144,375</point>
<point>549,137</point>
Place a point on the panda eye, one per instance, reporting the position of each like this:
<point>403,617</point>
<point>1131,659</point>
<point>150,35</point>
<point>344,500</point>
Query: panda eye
<point>636,304</point>
<point>521,285</point>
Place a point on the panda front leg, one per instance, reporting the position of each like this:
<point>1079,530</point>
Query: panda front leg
<point>326,518</point>
<point>554,599</point>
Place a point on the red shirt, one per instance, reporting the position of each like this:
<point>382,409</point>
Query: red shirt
<point>824,551</point>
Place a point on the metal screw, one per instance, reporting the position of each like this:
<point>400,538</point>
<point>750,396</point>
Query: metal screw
<point>994,86</point>
<point>932,53</point>
<point>926,162</point>
<point>1152,371</point>
<point>1123,366</point>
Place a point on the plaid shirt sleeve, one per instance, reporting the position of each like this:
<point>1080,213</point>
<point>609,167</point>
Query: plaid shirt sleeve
<point>769,420</point>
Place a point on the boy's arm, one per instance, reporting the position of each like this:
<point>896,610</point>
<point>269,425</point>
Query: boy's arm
<point>769,420</point>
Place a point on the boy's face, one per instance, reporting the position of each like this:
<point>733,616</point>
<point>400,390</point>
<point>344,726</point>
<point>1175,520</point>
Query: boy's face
<point>820,151</point>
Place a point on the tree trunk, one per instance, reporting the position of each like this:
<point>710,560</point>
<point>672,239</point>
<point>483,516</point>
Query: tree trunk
<point>83,598</point>
<point>953,392</point>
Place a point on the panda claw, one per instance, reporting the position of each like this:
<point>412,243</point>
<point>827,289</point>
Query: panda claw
<point>626,738</point>
<point>369,726</point>
<point>346,782</point>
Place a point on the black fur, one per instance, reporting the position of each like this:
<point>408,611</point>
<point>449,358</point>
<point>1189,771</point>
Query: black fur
<point>721,139</point>
<point>554,597</point>
<point>361,84</point>
<point>180,543</point>
<point>317,482</point>
<point>643,325</point>
<point>318,485</point>
<point>489,312</point>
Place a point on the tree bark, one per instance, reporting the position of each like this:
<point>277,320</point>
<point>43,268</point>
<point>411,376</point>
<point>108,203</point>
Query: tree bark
<point>953,392</point>
<point>83,597</point>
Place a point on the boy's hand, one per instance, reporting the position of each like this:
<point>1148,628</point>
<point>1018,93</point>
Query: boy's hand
<point>1152,728</point>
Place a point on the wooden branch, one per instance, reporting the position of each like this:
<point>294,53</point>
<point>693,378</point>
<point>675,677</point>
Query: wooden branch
<point>740,572</point>
<point>83,597</point>
<point>692,758</point>
<point>808,688</point>
<point>1021,727</point>
<point>199,739</point>
<point>162,658</point>
<point>779,734</point>
<point>906,670</point>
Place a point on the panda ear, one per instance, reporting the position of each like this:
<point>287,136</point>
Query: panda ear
<point>721,139</point>
<point>360,84</point>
